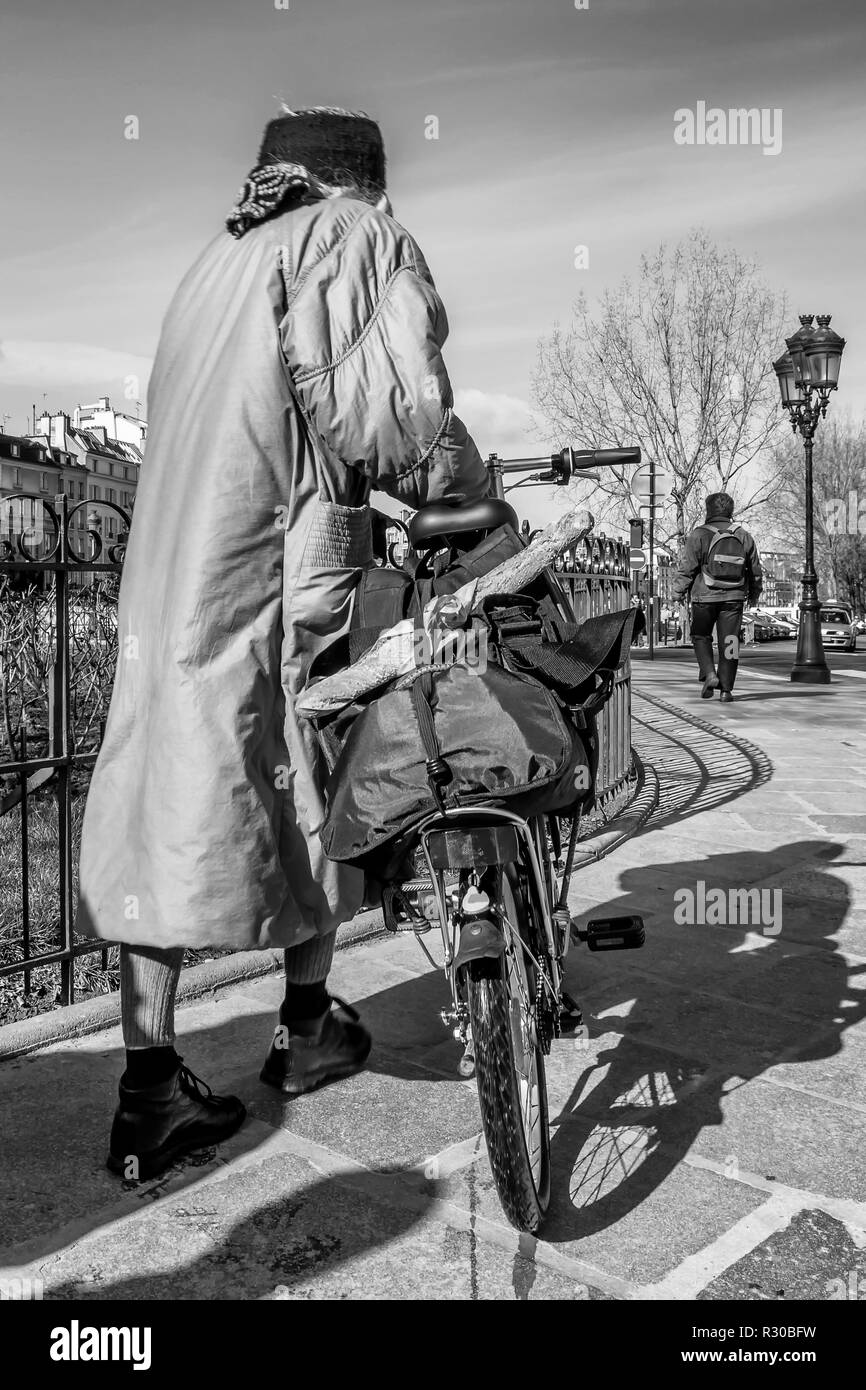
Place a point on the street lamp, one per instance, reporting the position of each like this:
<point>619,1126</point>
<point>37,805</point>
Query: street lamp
<point>807,373</point>
<point>650,487</point>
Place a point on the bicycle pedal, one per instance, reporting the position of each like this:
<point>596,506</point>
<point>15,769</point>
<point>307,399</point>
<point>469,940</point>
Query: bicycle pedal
<point>614,933</point>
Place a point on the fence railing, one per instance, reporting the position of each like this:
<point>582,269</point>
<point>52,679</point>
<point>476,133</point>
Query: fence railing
<point>597,577</point>
<point>58,649</point>
<point>58,646</point>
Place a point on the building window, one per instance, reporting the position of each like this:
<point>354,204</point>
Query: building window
<point>44,482</point>
<point>94,493</point>
<point>126,473</point>
<point>17,477</point>
<point>81,492</point>
<point>16,452</point>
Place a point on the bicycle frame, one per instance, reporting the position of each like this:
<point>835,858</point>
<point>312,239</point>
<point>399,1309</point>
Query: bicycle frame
<point>533,853</point>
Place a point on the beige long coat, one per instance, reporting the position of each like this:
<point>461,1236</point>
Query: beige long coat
<point>298,367</point>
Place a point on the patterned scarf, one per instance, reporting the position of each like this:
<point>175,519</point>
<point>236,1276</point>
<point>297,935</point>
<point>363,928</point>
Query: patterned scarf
<point>265,189</point>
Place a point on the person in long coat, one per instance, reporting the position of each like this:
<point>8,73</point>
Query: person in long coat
<point>299,368</point>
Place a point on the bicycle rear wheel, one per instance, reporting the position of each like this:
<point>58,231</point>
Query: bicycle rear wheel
<point>509,1068</point>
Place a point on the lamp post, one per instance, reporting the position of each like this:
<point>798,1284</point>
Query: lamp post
<point>651,487</point>
<point>807,373</point>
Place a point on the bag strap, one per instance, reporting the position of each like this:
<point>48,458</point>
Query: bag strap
<point>439,774</point>
<point>736,531</point>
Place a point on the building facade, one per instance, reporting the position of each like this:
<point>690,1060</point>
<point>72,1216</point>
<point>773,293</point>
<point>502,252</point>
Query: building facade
<point>112,463</point>
<point>118,425</point>
<point>35,467</point>
<point>93,457</point>
<point>783,572</point>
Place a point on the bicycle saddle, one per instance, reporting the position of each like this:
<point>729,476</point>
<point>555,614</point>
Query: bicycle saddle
<point>438,520</point>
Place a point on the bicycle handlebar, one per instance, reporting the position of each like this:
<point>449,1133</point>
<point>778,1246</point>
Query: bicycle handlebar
<point>601,458</point>
<point>568,462</point>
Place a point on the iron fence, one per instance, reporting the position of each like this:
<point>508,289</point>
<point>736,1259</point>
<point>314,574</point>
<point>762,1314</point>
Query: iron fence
<point>55,680</point>
<point>52,705</point>
<point>597,577</point>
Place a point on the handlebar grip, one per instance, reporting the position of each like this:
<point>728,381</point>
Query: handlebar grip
<point>582,459</point>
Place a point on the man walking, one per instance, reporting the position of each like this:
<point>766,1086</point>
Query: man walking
<point>721,570</point>
<point>299,367</point>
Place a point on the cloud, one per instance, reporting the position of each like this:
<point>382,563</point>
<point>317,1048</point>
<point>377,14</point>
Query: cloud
<point>499,423</point>
<point>55,366</point>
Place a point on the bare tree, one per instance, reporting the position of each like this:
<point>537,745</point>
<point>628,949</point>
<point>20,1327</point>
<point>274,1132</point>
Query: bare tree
<point>679,362</point>
<point>839,512</point>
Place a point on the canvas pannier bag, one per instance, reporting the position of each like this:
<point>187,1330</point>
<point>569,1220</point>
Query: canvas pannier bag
<point>496,737</point>
<point>725,565</point>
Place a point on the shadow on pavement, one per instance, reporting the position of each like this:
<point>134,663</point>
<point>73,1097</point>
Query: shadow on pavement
<point>740,1009</point>
<point>700,765</point>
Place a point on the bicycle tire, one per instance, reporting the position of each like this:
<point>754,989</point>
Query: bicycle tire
<point>524,1195</point>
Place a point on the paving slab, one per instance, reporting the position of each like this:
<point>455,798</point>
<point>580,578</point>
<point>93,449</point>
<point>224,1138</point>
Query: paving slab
<point>814,1257</point>
<point>619,1201</point>
<point>803,1141</point>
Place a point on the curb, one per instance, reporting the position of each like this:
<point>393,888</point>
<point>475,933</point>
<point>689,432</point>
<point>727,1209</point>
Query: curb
<point>628,822</point>
<point>92,1015</point>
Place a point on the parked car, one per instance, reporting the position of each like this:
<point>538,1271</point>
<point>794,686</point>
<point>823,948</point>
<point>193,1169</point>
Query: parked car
<point>785,615</point>
<point>837,627</point>
<point>761,626</point>
<point>775,629</point>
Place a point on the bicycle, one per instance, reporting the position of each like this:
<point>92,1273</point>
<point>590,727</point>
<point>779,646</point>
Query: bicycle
<point>497,886</point>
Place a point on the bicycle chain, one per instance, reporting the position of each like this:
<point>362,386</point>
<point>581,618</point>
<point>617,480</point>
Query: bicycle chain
<point>546,1018</point>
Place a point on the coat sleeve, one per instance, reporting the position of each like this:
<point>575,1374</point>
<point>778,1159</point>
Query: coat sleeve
<point>687,570</point>
<point>755,573</point>
<point>363,336</point>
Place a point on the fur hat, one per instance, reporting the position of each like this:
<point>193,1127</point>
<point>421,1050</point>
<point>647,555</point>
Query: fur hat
<point>316,149</point>
<point>338,147</point>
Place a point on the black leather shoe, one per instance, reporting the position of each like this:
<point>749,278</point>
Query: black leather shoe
<point>710,684</point>
<point>339,1047</point>
<point>726,697</point>
<point>156,1126</point>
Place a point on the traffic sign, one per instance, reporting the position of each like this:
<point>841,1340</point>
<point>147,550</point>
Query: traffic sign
<point>641,483</point>
<point>636,559</point>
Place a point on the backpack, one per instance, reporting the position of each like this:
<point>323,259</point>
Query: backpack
<point>725,563</point>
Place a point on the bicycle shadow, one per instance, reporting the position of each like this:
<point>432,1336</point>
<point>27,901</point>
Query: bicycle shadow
<point>701,1012</point>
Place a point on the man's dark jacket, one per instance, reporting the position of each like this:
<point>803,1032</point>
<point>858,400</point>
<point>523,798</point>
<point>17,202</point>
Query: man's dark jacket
<point>689,578</point>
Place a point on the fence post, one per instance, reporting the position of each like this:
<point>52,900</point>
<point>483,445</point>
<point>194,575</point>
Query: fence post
<point>60,732</point>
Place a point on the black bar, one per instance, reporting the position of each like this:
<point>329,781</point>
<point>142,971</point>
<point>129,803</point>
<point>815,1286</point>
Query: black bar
<point>651,603</point>
<point>33,764</point>
<point>79,948</point>
<point>25,865</point>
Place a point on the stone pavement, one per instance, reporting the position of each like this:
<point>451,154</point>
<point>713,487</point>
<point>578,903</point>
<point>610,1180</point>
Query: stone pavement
<point>707,1135</point>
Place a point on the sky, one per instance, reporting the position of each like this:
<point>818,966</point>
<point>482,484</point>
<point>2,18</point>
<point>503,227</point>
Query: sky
<point>555,129</point>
